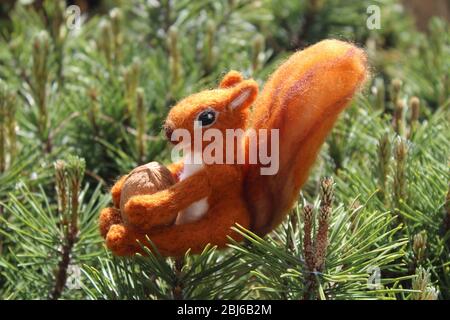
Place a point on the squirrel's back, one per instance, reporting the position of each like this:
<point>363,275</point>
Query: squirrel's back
<point>302,99</point>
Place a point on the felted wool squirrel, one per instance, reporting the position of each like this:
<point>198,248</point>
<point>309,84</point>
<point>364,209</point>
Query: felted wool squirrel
<point>302,98</point>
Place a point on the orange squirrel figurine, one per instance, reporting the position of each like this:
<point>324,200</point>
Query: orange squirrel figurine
<point>302,99</point>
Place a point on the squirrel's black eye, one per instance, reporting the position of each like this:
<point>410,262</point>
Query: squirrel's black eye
<point>207,117</point>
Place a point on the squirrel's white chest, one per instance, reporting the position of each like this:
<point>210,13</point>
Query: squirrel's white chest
<point>197,209</point>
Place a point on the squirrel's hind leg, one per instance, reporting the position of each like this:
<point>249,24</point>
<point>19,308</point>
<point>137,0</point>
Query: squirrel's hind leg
<point>213,228</point>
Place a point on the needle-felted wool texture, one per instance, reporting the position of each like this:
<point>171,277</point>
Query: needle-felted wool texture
<point>302,99</point>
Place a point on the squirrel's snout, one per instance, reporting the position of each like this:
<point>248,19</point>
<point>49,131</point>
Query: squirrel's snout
<point>168,128</point>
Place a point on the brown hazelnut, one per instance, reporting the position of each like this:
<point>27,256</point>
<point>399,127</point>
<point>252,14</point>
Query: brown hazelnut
<point>146,179</point>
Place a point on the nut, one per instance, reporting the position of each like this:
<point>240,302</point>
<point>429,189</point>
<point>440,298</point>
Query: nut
<point>146,179</point>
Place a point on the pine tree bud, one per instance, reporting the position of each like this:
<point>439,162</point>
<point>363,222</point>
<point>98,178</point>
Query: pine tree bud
<point>209,46</point>
<point>105,40</point>
<point>60,181</point>
<point>415,109</point>
<point>327,191</point>
<point>8,108</point>
<point>420,245</point>
<point>380,94</point>
<point>40,71</point>
<point>75,168</point>
<point>93,110</point>
<point>400,155</point>
<point>2,138</point>
<point>173,39</point>
<point>116,16</point>
<point>384,158</point>
<point>308,252</point>
<point>398,120</point>
<point>41,46</point>
<point>315,5</point>
<point>131,79</point>
<point>174,56</point>
<point>421,283</point>
<point>396,85</point>
<point>257,52</point>
<point>140,124</point>
<point>321,244</point>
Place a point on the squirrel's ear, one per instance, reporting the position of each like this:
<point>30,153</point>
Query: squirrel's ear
<point>243,95</point>
<point>231,79</point>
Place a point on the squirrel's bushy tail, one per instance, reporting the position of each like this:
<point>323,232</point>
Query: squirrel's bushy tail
<point>302,99</point>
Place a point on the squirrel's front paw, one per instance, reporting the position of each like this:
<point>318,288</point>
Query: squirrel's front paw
<point>108,217</point>
<point>144,213</point>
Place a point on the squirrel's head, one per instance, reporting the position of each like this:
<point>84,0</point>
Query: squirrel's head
<point>224,108</point>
